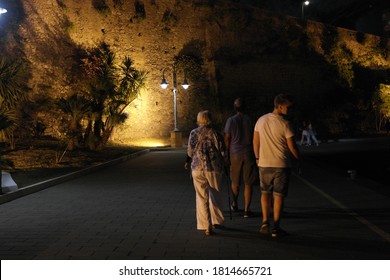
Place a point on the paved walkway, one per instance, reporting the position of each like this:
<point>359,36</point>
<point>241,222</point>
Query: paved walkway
<point>144,208</point>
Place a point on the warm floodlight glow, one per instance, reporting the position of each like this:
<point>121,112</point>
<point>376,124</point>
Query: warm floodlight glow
<point>3,11</point>
<point>151,143</point>
<point>148,143</point>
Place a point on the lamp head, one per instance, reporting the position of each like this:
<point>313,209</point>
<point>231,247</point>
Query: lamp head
<point>3,11</point>
<point>164,83</point>
<point>185,84</point>
<point>306,3</point>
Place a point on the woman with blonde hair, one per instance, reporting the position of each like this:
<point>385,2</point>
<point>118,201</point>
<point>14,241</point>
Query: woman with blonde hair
<point>206,154</point>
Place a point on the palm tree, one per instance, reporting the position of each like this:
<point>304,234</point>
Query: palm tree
<point>76,107</point>
<point>100,69</point>
<point>131,83</point>
<point>10,88</point>
<point>112,89</point>
<point>11,93</point>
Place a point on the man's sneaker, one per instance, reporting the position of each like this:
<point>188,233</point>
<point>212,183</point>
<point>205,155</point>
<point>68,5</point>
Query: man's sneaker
<point>264,228</point>
<point>278,232</point>
<point>248,214</point>
<point>234,207</point>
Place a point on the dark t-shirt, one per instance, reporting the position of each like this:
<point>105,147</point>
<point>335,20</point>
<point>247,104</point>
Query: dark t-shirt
<point>240,128</point>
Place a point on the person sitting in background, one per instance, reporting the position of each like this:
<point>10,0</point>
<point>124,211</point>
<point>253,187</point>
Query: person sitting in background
<point>312,133</point>
<point>305,134</point>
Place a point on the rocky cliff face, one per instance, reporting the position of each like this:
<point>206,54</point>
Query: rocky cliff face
<point>245,52</point>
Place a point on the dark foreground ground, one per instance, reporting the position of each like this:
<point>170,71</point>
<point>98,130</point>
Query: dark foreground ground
<point>144,208</point>
<point>370,158</point>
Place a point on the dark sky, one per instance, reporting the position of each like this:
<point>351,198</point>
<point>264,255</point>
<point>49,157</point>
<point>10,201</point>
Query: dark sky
<point>360,15</point>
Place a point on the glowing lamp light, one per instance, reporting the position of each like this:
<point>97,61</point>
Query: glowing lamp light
<point>2,11</point>
<point>185,84</point>
<point>305,3</point>
<point>164,83</point>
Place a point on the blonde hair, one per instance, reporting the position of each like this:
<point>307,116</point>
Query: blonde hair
<point>204,118</point>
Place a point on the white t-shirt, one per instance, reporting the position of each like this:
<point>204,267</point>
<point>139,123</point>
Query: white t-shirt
<point>274,131</point>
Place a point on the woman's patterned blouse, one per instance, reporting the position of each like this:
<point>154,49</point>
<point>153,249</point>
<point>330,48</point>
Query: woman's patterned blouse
<point>207,149</point>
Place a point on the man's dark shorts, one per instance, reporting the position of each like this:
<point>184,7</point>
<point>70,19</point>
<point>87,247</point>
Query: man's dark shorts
<point>274,180</point>
<point>243,165</point>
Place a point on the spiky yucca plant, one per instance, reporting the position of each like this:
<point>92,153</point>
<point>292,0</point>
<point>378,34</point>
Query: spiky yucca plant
<point>75,107</point>
<point>11,94</point>
<point>10,88</point>
<point>112,89</point>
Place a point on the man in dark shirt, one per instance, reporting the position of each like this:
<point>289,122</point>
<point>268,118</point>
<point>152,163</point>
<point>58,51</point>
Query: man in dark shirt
<point>238,141</point>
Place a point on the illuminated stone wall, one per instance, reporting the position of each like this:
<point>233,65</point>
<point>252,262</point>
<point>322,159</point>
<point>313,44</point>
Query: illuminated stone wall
<point>53,29</point>
<point>241,56</point>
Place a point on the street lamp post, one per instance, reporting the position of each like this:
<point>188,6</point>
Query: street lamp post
<point>176,139</point>
<point>305,3</point>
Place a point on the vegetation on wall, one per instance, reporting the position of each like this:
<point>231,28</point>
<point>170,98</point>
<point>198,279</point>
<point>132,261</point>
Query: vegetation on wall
<point>381,106</point>
<point>364,72</point>
<point>286,41</point>
<point>357,79</point>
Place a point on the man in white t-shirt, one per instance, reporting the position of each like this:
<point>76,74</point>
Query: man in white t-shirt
<point>274,147</point>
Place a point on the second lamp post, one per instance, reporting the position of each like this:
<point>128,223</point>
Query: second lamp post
<point>304,3</point>
<point>175,136</point>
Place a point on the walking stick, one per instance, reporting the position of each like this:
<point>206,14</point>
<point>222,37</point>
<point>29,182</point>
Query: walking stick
<point>228,187</point>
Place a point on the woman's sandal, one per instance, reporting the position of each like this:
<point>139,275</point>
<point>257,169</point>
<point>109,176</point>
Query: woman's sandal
<point>208,232</point>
